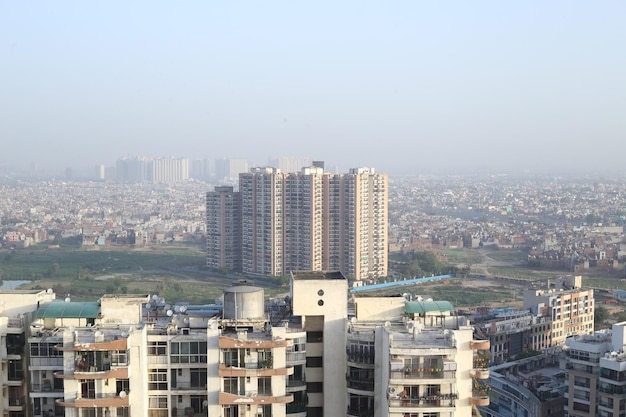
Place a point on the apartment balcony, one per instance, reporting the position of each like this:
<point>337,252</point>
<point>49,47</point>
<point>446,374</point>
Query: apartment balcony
<point>360,412</point>
<point>360,385</point>
<point>119,344</point>
<point>93,372</point>
<point>46,386</point>
<point>253,369</point>
<point>479,373</point>
<point>479,399</point>
<point>296,385</point>
<point>234,343</point>
<point>17,403</point>
<point>427,401</point>
<point>98,400</point>
<point>188,386</point>
<point>612,389</point>
<point>226,398</point>
<point>15,325</point>
<point>296,410</point>
<point>480,344</point>
<point>421,374</point>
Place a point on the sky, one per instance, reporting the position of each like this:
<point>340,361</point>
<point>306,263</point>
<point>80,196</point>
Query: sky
<point>406,87</point>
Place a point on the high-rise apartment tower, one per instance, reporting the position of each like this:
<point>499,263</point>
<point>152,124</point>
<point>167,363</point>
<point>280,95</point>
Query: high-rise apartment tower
<point>310,220</point>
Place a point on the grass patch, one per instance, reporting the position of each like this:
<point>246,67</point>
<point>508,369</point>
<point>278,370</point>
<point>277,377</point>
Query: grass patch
<point>462,257</point>
<point>458,293</point>
<point>66,264</point>
<point>521,273</point>
<point>508,256</point>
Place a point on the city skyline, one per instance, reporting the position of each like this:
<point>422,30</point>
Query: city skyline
<point>411,89</point>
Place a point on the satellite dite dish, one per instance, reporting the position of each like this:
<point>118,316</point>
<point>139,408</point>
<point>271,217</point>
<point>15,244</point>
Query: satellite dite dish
<point>122,394</point>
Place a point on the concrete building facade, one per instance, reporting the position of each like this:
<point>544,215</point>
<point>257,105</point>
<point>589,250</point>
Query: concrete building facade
<point>311,220</point>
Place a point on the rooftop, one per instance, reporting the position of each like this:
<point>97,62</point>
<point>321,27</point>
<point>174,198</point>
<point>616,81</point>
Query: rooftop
<point>62,309</point>
<point>305,275</point>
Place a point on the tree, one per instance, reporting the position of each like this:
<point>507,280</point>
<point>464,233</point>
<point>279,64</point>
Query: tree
<point>600,315</point>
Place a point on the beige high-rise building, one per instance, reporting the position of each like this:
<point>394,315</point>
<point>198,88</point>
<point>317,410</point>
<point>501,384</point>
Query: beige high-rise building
<point>223,243</point>
<point>314,220</point>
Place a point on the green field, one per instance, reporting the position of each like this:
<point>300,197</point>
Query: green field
<point>175,272</point>
<point>462,257</point>
<point>458,292</point>
<point>513,256</point>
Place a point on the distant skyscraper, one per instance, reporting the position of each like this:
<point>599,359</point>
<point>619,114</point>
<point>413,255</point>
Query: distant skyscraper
<point>168,170</point>
<point>201,169</point>
<point>227,169</point>
<point>311,220</point>
<point>132,169</point>
<point>223,244</point>
<point>290,164</point>
<point>99,172</point>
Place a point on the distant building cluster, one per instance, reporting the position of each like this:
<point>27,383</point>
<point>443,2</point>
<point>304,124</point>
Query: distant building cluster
<point>305,355</point>
<point>278,222</point>
<point>144,169</point>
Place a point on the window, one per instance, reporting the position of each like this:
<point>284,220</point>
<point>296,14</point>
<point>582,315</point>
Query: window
<point>119,358</point>
<point>315,387</point>
<point>157,379</point>
<point>198,378</point>
<point>231,385</point>
<point>265,386</point>
<point>44,349</point>
<point>122,385</point>
<point>231,357</point>
<point>157,348</point>
<point>314,337</point>
<point>188,352</point>
<point>314,362</point>
<point>157,401</point>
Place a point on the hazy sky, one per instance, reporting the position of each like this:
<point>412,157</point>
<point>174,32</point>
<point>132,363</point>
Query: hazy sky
<point>403,86</point>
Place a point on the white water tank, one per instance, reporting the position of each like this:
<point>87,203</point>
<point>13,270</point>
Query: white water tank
<point>244,302</point>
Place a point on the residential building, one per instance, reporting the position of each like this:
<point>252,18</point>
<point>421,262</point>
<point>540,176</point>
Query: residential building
<point>136,355</point>
<point>290,164</point>
<point>16,310</point>
<point>168,170</point>
<point>228,169</point>
<point>223,242</point>
<point>312,220</point>
<point>411,357</point>
<point>568,306</point>
<point>531,387</point>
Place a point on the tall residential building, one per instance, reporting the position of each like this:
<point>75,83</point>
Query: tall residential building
<point>16,312</point>
<point>413,357</point>
<point>223,242</point>
<point>313,220</point>
<point>290,164</point>
<point>568,307</point>
<point>227,169</point>
<point>168,170</point>
<point>136,355</point>
<point>132,169</point>
<point>202,169</point>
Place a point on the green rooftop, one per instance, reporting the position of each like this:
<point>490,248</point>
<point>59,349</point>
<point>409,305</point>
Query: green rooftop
<point>421,307</point>
<point>64,310</point>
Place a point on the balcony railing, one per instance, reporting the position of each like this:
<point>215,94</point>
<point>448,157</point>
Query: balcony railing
<point>360,412</point>
<point>293,408</point>
<point>361,385</point>
<point>441,400</point>
<point>422,374</point>
<point>16,401</point>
